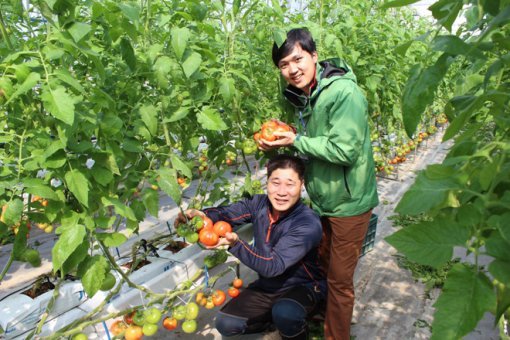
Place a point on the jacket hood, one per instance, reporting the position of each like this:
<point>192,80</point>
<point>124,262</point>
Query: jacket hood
<point>328,71</point>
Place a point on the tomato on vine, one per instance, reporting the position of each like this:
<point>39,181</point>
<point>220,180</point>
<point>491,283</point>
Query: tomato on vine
<point>152,315</point>
<point>170,323</point>
<point>233,292</point>
<point>189,326</point>
<point>237,283</point>
<point>133,332</point>
<point>149,329</point>
<point>208,237</point>
<point>118,327</point>
<point>219,297</point>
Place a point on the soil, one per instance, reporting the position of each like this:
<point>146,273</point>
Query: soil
<point>39,289</point>
<point>140,264</point>
<point>175,246</point>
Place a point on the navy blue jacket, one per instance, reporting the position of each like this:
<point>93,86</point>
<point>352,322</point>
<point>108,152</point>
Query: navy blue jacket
<point>284,252</point>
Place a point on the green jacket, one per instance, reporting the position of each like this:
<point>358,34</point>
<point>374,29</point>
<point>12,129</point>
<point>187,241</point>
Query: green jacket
<point>334,135</point>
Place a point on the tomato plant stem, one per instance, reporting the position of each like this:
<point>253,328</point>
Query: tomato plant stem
<point>4,32</point>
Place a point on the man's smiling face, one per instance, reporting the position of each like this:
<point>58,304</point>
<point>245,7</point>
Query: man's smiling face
<point>284,189</point>
<point>298,68</point>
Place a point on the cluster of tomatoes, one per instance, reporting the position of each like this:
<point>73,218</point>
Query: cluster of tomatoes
<point>202,228</point>
<point>136,324</point>
<point>268,129</point>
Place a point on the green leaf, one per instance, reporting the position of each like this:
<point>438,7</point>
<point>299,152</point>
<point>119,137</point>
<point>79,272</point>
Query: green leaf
<point>180,37</point>
<point>227,89</point>
<point>429,243</point>
<point>500,269</point>
<point>419,91</point>
<point>149,116</point>
<point>500,222</point>
<point>168,183</point>
<point>466,296</point>
<point>429,191</point>
<point>151,202</point>
<point>130,11</point>
<point>20,242</point>
<point>78,255</point>
<point>498,21</point>
<point>79,30</point>
<point>102,176</point>
<point>67,78</point>
<point>465,106</point>
<point>402,49</point>
<point>398,3</point>
<point>279,37</point>
<point>179,114</point>
<point>179,165</point>
<point>70,239</point>
<point>78,185</point>
<point>497,247</point>
<point>128,54</point>
<point>59,103</point>
<point>111,239</point>
<point>93,272</point>
<point>120,208</point>
<point>210,119</point>
<point>455,46</point>
<point>12,213</point>
<point>446,12</point>
<point>41,190</point>
<point>31,80</point>
<point>191,64</point>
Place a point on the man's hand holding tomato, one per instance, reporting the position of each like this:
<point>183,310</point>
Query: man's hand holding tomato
<point>230,239</point>
<point>190,213</point>
<point>284,138</point>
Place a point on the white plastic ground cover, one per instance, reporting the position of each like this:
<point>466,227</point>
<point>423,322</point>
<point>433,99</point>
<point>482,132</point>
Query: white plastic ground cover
<point>20,313</point>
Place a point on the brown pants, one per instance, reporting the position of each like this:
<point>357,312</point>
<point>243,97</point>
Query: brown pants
<point>342,238</point>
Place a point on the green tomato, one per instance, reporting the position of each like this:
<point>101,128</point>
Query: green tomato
<point>108,282</point>
<point>189,326</point>
<point>197,222</point>
<point>152,315</point>
<point>149,329</point>
<point>179,312</point>
<point>80,336</point>
<point>192,311</point>
<point>192,238</point>
<point>139,318</point>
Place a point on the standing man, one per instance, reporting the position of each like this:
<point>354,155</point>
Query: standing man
<point>334,135</point>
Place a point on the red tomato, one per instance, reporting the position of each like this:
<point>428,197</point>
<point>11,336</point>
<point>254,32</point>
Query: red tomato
<point>233,292</point>
<point>267,130</point>
<point>221,228</point>
<point>170,323</point>
<point>208,237</point>
<point>237,283</point>
<point>219,297</point>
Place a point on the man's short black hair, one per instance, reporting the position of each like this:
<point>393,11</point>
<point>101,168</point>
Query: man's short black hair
<point>284,161</point>
<point>301,36</point>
